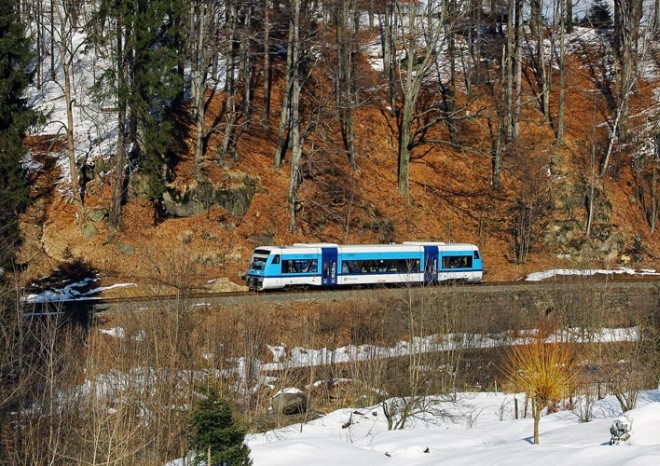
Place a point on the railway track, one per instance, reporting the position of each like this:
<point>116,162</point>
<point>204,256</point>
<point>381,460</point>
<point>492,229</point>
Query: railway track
<point>573,284</point>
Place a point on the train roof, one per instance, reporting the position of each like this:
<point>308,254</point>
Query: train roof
<point>409,246</point>
<point>288,249</point>
<point>425,243</point>
<point>316,245</point>
<point>354,248</point>
<point>459,247</point>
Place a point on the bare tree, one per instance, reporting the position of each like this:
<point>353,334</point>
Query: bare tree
<point>267,66</point>
<point>346,29</point>
<point>388,24</point>
<point>122,34</point>
<point>67,51</point>
<point>414,70</point>
<point>296,143</point>
<point>627,17</point>
<point>562,71</point>
<point>202,19</point>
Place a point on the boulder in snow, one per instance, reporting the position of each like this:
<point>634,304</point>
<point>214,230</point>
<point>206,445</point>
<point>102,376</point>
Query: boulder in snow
<point>290,401</point>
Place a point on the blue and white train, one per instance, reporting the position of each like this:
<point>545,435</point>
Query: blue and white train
<point>306,265</point>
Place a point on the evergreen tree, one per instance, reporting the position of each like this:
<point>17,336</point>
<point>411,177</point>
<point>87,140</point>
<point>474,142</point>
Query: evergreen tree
<point>145,80</point>
<point>15,119</point>
<point>155,83</point>
<point>216,436</point>
<point>599,14</point>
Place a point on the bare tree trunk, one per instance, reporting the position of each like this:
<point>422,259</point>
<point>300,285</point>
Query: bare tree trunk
<point>592,187</point>
<point>627,17</point>
<point>115,216</point>
<point>285,113</point>
<point>344,79</point>
<point>246,68</point>
<point>371,14</point>
<point>510,41</point>
<point>66,56</point>
<point>450,97</point>
<point>268,81</point>
<point>411,87</point>
<point>654,190</point>
<point>537,420</point>
<point>517,72</point>
<point>501,106</point>
<point>562,74</point>
<point>53,75</point>
<point>545,86</point>
<point>541,76</point>
<point>387,27</point>
<point>199,17</point>
<point>403,174</point>
<point>230,85</point>
<point>39,45</point>
<point>296,147</point>
<point>535,17</point>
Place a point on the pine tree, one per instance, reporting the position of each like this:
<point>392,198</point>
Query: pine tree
<point>216,435</point>
<point>155,84</point>
<point>144,81</point>
<point>599,15</point>
<point>15,119</point>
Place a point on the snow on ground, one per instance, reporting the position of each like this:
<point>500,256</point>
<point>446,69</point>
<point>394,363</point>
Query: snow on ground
<point>479,429</point>
<point>72,292</point>
<point>539,276</point>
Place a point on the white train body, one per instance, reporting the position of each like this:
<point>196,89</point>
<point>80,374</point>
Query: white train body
<point>332,265</point>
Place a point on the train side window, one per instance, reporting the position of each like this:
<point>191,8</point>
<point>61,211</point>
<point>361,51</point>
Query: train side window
<point>276,259</point>
<point>456,262</point>
<point>476,254</point>
<point>312,266</point>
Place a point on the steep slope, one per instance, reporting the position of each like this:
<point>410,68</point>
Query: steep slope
<point>545,195</point>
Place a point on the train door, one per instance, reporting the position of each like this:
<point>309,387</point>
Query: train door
<point>329,266</point>
<point>430,265</point>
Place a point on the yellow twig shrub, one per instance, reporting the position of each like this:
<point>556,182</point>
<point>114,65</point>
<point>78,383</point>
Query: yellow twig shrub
<point>546,372</point>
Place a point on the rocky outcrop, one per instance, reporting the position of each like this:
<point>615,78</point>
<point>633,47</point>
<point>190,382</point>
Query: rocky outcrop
<point>234,194</point>
<point>567,232</point>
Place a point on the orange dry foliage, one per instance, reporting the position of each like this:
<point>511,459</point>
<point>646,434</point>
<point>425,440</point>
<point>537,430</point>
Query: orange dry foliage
<point>451,196</point>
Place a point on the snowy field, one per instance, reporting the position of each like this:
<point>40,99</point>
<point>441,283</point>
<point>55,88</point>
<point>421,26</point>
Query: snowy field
<point>478,429</point>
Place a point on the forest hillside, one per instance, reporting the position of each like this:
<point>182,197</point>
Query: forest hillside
<point>179,136</point>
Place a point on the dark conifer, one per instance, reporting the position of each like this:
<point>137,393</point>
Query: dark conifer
<point>216,435</point>
<point>15,119</point>
<point>145,82</point>
<point>599,15</point>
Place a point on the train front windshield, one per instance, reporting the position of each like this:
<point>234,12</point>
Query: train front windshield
<point>259,258</point>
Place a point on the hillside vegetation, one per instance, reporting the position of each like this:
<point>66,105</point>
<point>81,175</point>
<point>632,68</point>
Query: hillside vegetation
<point>403,123</point>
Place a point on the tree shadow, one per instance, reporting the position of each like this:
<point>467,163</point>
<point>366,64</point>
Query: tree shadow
<point>601,71</point>
<point>69,290</point>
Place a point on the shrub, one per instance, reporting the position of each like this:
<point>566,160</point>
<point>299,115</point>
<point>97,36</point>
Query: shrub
<point>546,372</point>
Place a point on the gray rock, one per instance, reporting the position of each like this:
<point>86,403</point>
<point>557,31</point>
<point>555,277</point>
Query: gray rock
<point>234,195</point>
<point>126,249</point>
<point>89,230</point>
<point>98,215</point>
<point>262,239</point>
<point>290,401</point>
